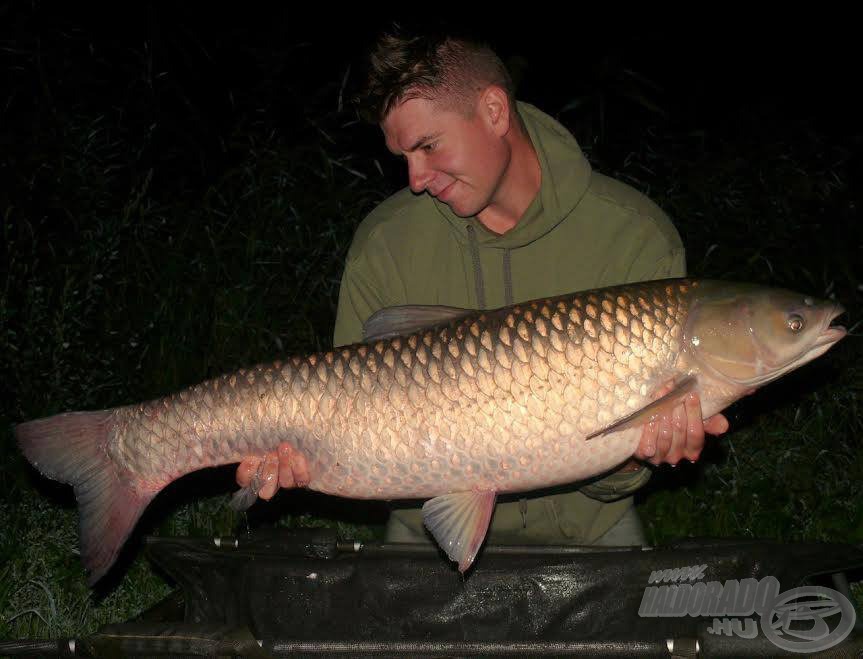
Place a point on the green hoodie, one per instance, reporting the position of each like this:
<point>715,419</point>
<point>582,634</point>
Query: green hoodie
<point>583,230</point>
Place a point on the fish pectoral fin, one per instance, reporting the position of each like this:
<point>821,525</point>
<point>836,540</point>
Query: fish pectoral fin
<point>666,403</point>
<point>243,499</point>
<point>459,523</point>
<point>409,318</point>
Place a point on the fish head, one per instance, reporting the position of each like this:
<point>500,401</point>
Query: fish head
<point>750,335</point>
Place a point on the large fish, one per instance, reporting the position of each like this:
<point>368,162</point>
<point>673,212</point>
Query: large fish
<point>451,405</point>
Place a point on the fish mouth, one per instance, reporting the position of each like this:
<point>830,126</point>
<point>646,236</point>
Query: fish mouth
<point>831,333</point>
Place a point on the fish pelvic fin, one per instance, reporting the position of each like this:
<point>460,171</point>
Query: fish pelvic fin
<point>459,522</point>
<point>70,448</point>
<point>666,403</point>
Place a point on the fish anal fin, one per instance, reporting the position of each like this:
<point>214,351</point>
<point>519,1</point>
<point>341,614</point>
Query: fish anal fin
<point>665,403</point>
<point>459,522</point>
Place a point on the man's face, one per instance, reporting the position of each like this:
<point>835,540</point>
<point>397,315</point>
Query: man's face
<point>460,160</point>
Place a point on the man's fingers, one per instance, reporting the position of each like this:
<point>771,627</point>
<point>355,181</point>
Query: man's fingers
<point>694,429</point>
<point>678,436</point>
<point>663,441</point>
<point>716,425</point>
<point>269,476</point>
<point>247,469</point>
<point>286,473</point>
<point>299,465</point>
<point>647,444</point>
<point>282,467</point>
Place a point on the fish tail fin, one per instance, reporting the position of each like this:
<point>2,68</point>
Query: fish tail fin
<point>70,448</point>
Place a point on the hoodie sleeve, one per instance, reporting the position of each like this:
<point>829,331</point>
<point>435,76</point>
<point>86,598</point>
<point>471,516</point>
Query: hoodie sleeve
<point>618,485</point>
<point>371,281</point>
<point>659,253</point>
<point>358,299</point>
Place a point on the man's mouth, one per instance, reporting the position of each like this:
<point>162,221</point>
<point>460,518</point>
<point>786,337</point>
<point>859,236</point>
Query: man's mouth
<point>441,192</point>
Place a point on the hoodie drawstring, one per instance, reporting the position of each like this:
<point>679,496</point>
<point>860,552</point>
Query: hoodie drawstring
<point>507,278</point>
<point>477,271</point>
<point>477,268</point>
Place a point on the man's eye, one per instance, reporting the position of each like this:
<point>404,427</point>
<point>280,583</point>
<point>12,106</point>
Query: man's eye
<point>428,148</point>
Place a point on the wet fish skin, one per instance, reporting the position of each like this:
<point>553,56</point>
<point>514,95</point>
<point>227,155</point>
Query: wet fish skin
<point>493,401</point>
<point>490,402</point>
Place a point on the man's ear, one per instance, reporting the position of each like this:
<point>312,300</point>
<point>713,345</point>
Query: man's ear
<point>494,108</point>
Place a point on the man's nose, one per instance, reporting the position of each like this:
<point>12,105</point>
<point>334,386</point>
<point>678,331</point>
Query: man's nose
<point>418,176</point>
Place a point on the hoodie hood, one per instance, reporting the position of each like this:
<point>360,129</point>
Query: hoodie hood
<point>565,178</point>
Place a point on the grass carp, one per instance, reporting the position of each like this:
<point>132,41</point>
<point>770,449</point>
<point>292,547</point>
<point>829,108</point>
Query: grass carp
<point>451,405</point>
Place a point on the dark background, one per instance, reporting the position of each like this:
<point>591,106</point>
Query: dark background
<point>189,75</point>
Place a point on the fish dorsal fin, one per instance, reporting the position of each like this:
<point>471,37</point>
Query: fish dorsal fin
<point>409,318</point>
<point>666,403</point>
<point>459,523</point>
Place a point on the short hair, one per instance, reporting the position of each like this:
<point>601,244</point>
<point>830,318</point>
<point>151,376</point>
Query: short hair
<point>436,66</point>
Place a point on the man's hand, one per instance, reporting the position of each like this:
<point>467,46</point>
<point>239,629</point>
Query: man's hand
<point>672,437</point>
<point>283,467</point>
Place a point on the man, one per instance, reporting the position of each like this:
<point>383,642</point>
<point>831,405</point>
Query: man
<point>502,207</point>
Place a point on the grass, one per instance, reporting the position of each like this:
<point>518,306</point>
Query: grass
<point>140,256</point>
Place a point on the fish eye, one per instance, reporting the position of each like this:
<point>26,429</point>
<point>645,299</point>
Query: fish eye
<point>795,322</point>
